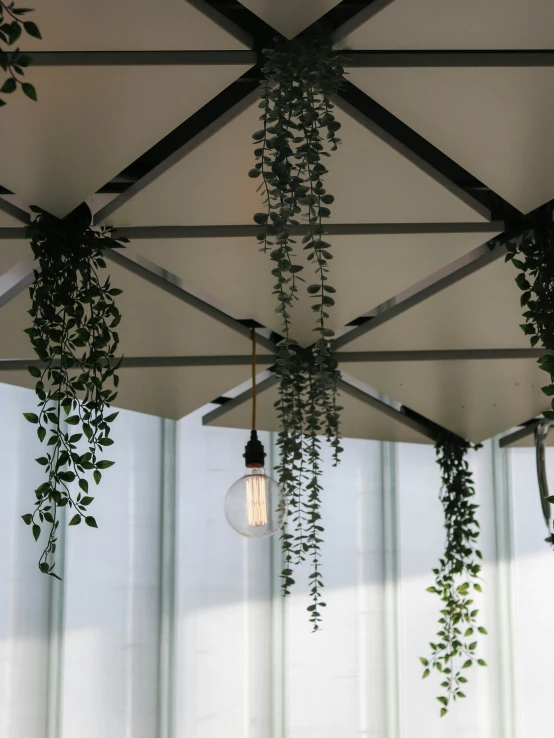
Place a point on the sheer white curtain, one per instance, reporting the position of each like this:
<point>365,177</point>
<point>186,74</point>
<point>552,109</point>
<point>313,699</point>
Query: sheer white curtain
<point>168,624</point>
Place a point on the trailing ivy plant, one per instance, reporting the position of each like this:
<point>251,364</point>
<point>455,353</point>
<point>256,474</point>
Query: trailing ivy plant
<point>532,252</point>
<point>12,26</point>
<point>299,130</point>
<point>456,578</point>
<point>74,335</point>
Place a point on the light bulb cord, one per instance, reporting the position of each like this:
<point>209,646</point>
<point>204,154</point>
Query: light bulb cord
<point>253,379</point>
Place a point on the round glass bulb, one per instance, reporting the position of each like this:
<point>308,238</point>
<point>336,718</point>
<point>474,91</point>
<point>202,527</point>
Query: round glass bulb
<point>255,506</point>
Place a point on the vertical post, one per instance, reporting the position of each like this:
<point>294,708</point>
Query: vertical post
<point>56,635</point>
<point>391,579</point>
<point>167,580</point>
<point>278,727</point>
<point>56,622</point>
<point>503,514</point>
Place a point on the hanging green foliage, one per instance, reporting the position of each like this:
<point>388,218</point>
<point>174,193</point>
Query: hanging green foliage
<point>457,577</point>
<point>74,335</point>
<point>12,61</point>
<point>532,252</point>
<point>299,130</point>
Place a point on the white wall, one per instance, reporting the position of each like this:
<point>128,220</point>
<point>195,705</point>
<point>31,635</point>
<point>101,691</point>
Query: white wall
<point>82,658</point>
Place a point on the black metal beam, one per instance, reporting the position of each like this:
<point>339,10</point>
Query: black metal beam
<point>370,357</point>
<point>234,402</point>
<point>333,229</point>
<point>349,15</point>
<point>366,357</point>
<point>380,121</point>
<point>12,234</point>
<point>191,133</point>
<point>237,20</point>
<point>7,207</point>
<point>153,362</point>
<point>142,58</point>
<point>432,285</point>
<point>451,58</point>
<point>427,429</point>
<point>527,430</point>
<point>172,284</point>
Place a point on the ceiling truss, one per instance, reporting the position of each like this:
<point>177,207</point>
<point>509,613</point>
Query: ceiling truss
<point>255,33</point>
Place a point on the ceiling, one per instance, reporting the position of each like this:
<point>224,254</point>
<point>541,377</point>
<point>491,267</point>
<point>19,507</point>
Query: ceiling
<point>446,129</point>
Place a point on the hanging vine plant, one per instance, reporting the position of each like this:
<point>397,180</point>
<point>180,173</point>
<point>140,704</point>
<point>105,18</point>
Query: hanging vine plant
<point>532,252</point>
<point>457,577</point>
<point>13,62</point>
<point>299,130</point>
<point>74,335</point>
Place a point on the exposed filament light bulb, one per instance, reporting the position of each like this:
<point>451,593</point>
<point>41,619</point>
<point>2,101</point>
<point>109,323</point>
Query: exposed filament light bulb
<point>256,498</point>
<point>255,505</point>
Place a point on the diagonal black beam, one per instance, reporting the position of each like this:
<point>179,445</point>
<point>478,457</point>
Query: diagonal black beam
<point>451,58</point>
<point>261,386</point>
<point>390,128</point>
<point>191,133</point>
<point>422,291</point>
<point>14,211</point>
<point>401,413</point>
<point>172,284</point>
<point>237,20</point>
<point>349,15</point>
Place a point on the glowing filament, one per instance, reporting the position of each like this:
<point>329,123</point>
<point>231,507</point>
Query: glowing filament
<point>256,500</point>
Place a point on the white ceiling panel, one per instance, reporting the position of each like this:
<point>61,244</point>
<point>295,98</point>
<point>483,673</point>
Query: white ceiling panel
<point>358,420</point>
<point>495,122</point>
<point>167,392</point>
<point>91,122</point>
<point>371,182</point>
<point>123,25</point>
<point>366,270</point>
<point>451,24</point>
<point>479,312</point>
<point>290,17</point>
<point>154,324</point>
<point>11,252</point>
<point>476,399</point>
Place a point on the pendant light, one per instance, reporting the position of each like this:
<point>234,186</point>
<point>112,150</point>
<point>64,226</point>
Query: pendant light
<point>254,505</point>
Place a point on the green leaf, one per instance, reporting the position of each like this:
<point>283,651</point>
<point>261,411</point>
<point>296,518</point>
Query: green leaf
<point>75,520</point>
<point>83,484</point>
<point>73,420</point>
<point>31,417</point>
<point>32,29</point>
<point>104,464</point>
<point>34,371</point>
<point>443,711</point>
<point>43,566</point>
<point>27,519</point>
<point>443,700</point>
<point>86,501</point>
<point>425,674</point>
<point>481,662</point>
<point>36,531</point>
<point>29,90</point>
<point>91,522</point>
<point>97,476</point>
<point>253,173</point>
<point>9,86</point>
<point>41,433</point>
<point>425,662</point>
